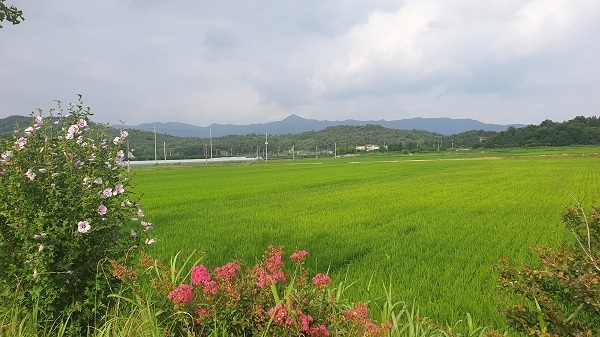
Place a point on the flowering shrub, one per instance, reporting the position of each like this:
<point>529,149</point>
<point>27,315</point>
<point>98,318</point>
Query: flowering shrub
<point>262,300</point>
<point>67,207</point>
<point>562,293</point>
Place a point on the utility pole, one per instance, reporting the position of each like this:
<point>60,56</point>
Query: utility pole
<point>210,144</point>
<point>165,150</point>
<point>266,144</point>
<point>155,158</point>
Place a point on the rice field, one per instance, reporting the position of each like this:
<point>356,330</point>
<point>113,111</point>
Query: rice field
<point>430,225</point>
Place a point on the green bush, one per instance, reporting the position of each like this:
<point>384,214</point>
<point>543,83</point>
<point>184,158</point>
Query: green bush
<point>66,207</point>
<point>561,296</point>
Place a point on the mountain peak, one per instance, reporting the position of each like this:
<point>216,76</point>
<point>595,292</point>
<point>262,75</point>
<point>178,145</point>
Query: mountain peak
<point>293,117</point>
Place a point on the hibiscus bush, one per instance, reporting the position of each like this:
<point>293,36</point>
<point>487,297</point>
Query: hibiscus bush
<point>67,208</point>
<point>266,299</point>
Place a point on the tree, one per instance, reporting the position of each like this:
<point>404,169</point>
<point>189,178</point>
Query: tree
<point>11,14</point>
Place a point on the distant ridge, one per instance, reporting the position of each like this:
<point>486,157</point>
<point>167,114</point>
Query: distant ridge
<point>295,124</point>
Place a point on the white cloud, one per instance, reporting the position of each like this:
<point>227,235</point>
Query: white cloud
<point>256,61</point>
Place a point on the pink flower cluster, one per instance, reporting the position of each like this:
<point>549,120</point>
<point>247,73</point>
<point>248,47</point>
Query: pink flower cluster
<point>201,312</point>
<point>305,321</point>
<point>358,314</point>
<point>201,276</point>
<point>273,271</point>
<point>299,256</point>
<point>182,294</point>
<point>228,271</point>
<point>321,281</point>
<point>291,314</point>
<point>279,313</point>
<point>318,331</point>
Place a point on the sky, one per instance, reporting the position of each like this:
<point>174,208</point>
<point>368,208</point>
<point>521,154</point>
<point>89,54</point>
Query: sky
<point>256,61</point>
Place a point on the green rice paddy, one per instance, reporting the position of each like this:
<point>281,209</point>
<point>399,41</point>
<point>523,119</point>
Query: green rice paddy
<point>430,225</point>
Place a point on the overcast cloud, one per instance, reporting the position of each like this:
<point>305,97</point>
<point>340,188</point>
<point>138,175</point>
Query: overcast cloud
<point>244,62</point>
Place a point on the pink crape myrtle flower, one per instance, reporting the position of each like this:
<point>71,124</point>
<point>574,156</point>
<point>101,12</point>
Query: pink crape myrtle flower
<point>182,294</point>
<point>318,331</point>
<point>274,260</point>
<point>271,269</point>
<point>30,174</point>
<point>358,314</point>
<point>263,278</point>
<point>83,226</point>
<point>200,275</point>
<point>201,312</point>
<point>102,210</point>
<point>278,313</point>
<point>299,256</point>
<point>321,281</point>
<point>211,288</point>
<point>305,321</point>
<point>228,271</point>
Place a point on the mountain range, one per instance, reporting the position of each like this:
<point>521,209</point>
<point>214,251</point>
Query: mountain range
<point>294,124</point>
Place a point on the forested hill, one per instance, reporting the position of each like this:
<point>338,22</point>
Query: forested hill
<point>341,139</point>
<point>344,139</point>
<point>577,131</point>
